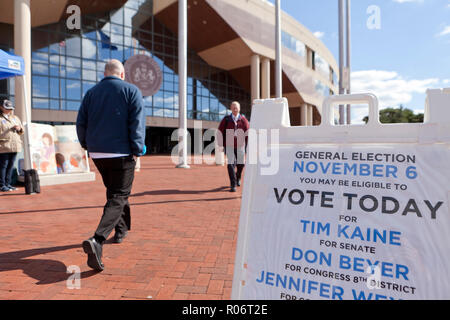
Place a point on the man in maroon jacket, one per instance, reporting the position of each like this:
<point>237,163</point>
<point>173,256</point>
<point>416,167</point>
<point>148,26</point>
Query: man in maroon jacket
<point>233,129</point>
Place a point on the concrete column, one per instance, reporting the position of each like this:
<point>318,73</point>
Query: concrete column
<point>304,115</point>
<point>22,47</point>
<point>255,77</point>
<point>265,78</point>
<point>310,116</point>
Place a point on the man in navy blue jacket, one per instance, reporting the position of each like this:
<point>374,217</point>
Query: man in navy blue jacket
<point>111,127</point>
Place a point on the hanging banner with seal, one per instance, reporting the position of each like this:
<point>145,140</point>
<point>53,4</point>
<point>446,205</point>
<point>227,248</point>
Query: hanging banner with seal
<point>353,212</point>
<point>145,73</point>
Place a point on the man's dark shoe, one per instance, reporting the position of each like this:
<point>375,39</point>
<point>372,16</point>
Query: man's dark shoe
<point>233,189</point>
<point>239,183</point>
<point>94,251</point>
<point>119,236</point>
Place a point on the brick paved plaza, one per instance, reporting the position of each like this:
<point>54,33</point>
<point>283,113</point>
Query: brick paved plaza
<point>181,245</point>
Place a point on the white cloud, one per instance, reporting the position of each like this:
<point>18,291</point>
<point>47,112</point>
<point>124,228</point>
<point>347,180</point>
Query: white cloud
<point>358,113</point>
<point>40,68</point>
<point>391,88</point>
<point>319,34</point>
<point>173,100</point>
<point>74,85</point>
<point>444,32</point>
<point>89,49</point>
<point>406,1</point>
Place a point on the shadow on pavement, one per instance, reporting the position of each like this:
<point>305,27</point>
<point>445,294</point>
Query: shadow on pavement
<point>44,270</point>
<point>176,191</point>
<point>132,205</point>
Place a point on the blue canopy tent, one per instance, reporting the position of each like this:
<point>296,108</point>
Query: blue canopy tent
<point>11,65</point>
<point>14,66</point>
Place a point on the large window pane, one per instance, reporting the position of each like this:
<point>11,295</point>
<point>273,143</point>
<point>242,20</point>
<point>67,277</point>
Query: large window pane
<point>74,73</point>
<point>63,88</point>
<point>89,75</point>
<point>54,104</point>
<point>89,49</point>
<point>39,68</point>
<point>73,105</point>
<point>103,53</point>
<point>39,103</point>
<point>39,57</point>
<point>117,53</point>
<point>157,112</point>
<point>89,64</point>
<point>148,102</point>
<point>321,65</point>
<point>66,65</point>
<point>158,99</point>
<point>170,100</point>
<point>73,47</point>
<point>189,102</point>
<point>128,19</point>
<point>169,86</point>
<point>205,104</point>
<point>117,17</point>
<point>86,86</point>
<point>73,90</point>
<point>168,113</point>
<point>73,62</point>
<point>54,88</point>
<point>214,105</point>
<point>40,86</point>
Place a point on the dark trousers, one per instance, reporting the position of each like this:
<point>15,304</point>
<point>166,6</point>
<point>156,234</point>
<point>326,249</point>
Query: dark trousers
<point>236,159</point>
<point>118,176</point>
<point>6,167</point>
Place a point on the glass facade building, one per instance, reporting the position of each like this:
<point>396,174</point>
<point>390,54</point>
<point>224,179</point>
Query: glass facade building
<point>318,63</point>
<point>293,44</point>
<point>66,64</point>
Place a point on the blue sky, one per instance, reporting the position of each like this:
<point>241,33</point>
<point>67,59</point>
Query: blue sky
<point>409,53</point>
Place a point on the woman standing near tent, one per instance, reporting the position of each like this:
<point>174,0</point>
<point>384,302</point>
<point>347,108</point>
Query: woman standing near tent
<point>11,130</point>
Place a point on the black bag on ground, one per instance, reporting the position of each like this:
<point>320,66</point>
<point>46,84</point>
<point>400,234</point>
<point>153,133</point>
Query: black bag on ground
<point>36,181</point>
<point>32,182</point>
<point>14,177</point>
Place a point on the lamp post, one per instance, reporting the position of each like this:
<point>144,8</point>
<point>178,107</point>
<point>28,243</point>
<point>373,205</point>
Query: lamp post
<point>278,64</point>
<point>182,83</point>
<point>341,58</point>
<point>348,36</point>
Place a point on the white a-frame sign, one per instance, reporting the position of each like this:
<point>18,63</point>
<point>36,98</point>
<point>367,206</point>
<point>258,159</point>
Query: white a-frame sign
<point>346,212</point>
